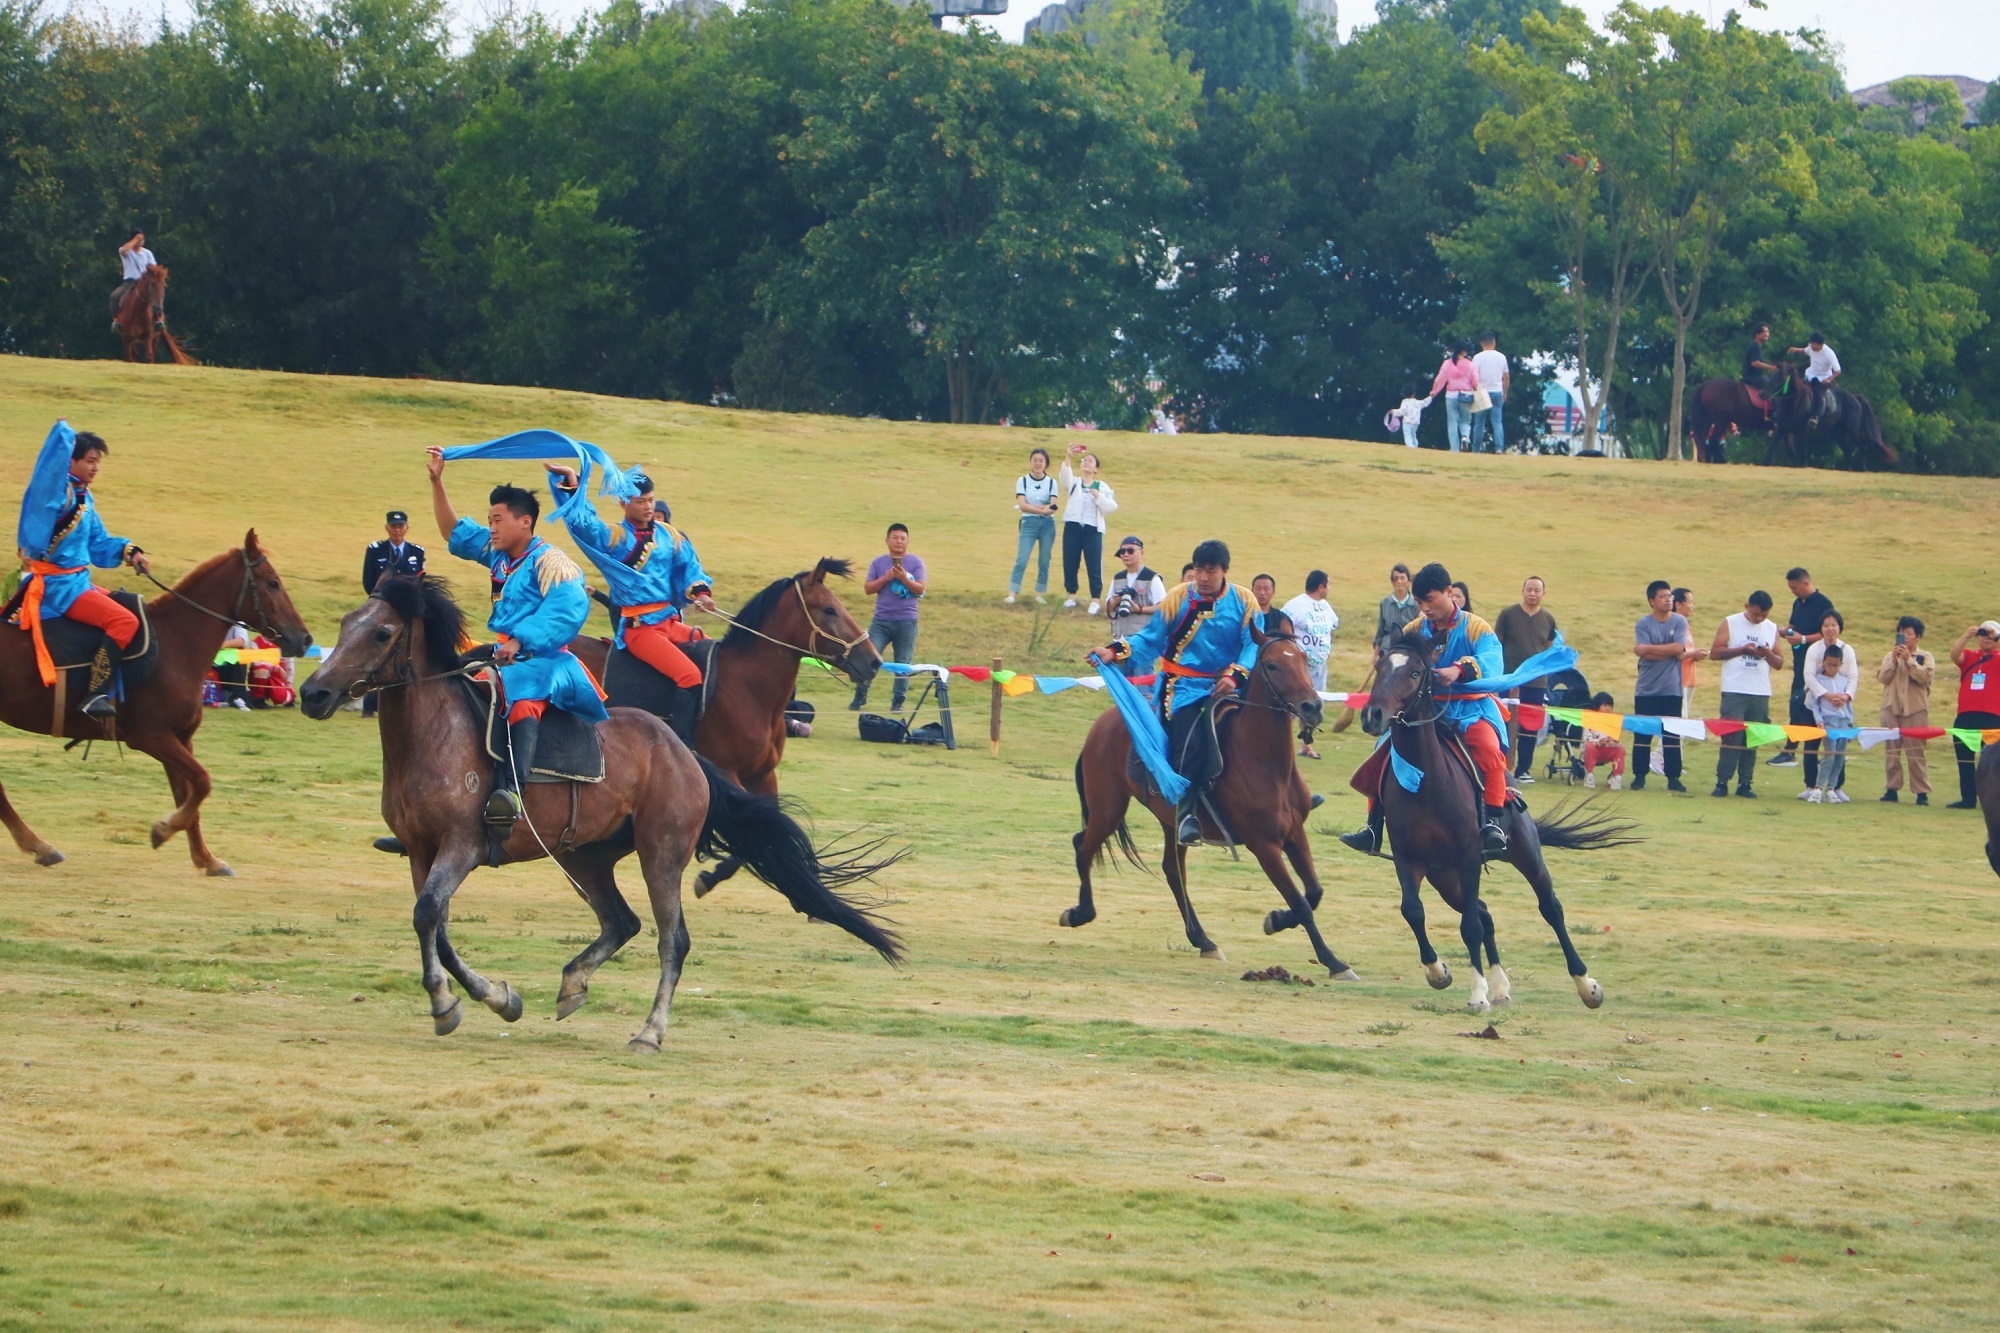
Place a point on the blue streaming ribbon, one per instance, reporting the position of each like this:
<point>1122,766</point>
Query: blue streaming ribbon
<point>1558,656</point>
<point>1408,774</point>
<point>1149,738</point>
<point>547,444</point>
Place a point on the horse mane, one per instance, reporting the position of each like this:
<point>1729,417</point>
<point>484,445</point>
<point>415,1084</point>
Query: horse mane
<point>428,599</point>
<point>187,580</point>
<point>758,608</point>
<point>1413,641</point>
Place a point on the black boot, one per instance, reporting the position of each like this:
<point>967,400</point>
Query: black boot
<point>503,807</point>
<point>1491,835</point>
<point>1189,830</point>
<point>681,713</point>
<point>1368,839</point>
<point>100,704</point>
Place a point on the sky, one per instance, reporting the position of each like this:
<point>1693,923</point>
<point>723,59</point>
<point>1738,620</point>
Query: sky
<point>1880,39</point>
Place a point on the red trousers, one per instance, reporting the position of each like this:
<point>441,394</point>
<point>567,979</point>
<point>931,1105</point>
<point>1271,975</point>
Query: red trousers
<point>1491,760</point>
<point>96,608</point>
<point>654,645</point>
<point>1595,754</point>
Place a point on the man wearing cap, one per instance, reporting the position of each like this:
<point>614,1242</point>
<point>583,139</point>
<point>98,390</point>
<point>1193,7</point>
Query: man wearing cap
<point>395,556</point>
<point>1136,594</point>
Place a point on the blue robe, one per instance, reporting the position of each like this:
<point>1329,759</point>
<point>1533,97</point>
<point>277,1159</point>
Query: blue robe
<point>1471,645</point>
<point>541,610</point>
<point>59,525</point>
<point>1211,638</point>
<point>664,576</point>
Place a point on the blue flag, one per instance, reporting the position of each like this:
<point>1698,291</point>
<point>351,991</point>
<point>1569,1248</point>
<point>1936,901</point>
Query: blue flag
<point>1149,738</point>
<point>548,444</point>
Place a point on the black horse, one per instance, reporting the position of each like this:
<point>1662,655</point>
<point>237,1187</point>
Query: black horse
<point>1434,831</point>
<point>1846,421</point>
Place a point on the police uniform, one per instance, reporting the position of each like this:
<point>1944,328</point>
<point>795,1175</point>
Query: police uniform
<point>384,559</point>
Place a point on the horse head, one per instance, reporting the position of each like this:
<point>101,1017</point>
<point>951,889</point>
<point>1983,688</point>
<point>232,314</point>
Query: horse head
<point>804,613</point>
<point>382,641</point>
<point>1281,673</point>
<point>1403,686</point>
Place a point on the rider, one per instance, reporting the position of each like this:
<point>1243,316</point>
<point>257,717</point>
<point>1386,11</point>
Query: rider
<point>1822,369</point>
<point>60,536</point>
<point>1758,369</point>
<point>539,605</point>
<point>1201,638</point>
<point>1473,650</point>
<point>654,574</point>
<point>133,261</point>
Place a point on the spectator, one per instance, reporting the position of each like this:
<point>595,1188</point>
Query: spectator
<point>1187,572</point>
<point>896,580</point>
<point>1313,623</point>
<point>1087,501</point>
<point>1833,707</point>
<point>1977,657</point>
<point>1397,610</point>
<point>394,557</point>
<point>1684,608</point>
<point>1457,380</point>
<point>1906,675</point>
<point>1849,681</point>
<point>1136,594</point>
<point>1461,594</point>
<point>1489,368</point>
<point>1831,689</point>
<point>1410,412</point>
<point>1600,748</point>
<point>1263,588</point>
<point>1747,646</point>
<point>1035,498</point>
<point>1524,630</point>
<point>1659,641</point>
<point>234,677</point>
<point>1809,608</point>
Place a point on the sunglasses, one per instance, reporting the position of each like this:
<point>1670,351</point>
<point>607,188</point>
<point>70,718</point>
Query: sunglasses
<point>1128,550</point>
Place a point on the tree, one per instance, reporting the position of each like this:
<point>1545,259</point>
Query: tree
<point>1235,44</point>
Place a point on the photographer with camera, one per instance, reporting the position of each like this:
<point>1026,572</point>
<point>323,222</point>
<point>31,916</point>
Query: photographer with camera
<point>1906,675</point>
<point>1136,594</point>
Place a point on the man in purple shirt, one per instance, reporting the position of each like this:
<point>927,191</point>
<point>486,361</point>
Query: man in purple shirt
<point>897,582</point>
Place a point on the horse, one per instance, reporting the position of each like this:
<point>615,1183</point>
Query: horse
<point>142,318</point>
<point>159,717</point>
<point>1434,832</point>
<point>657,799</point>
<point>1260,796</point>
<point>1719,408</point>
<point>1847,420</point>
<point>755,673</point>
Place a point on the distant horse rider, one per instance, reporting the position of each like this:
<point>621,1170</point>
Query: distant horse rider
<point>654,575</point>
<point>133,261</point>
<point>1822,369</point>
<point>539,605</point>
<point>1201,639</point>
<point>1759,372</point>
<point>60,536</point>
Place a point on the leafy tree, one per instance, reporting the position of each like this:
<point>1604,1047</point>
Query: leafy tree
<point>1235,44</point>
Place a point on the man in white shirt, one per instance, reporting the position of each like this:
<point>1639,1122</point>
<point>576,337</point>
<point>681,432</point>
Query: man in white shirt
<point>1313,622</point>
<point>1747,646</point>
<point>1495,379</point>
<point>1822,369</point>
<point>1135,596</point>
<point>133,261</point>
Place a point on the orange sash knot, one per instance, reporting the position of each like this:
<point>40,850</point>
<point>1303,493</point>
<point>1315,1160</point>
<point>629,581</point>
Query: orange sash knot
<point>31,615</point>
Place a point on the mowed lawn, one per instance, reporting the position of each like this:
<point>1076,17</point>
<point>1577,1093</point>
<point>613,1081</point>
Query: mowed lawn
<point>221,1105</point>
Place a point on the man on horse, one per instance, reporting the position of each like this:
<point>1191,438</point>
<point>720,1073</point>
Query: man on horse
<point>1759,372</point>
<point>539,605</point>
<point>1473,652</point>
<point>654,574</point>
<point>1822,369</point>
<point>59,537</point>
<point>1201,639</point>
<point>133,261</point>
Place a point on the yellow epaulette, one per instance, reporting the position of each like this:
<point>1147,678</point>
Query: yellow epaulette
<point>553,567</point>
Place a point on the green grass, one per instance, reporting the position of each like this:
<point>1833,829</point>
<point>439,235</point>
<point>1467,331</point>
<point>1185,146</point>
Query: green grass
<point>221,1105</point>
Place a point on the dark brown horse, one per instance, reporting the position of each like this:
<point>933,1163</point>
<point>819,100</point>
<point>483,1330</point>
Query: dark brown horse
<point>1718,409</point>
<point>160,717</point>
<point>1846,421</point>
<point>1434,831</point>
<point>141,319</point>
<point>656,799</point>
<point>756,673</point>
<point>1260,794</point>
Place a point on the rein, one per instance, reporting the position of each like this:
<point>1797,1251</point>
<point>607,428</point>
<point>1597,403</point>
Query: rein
<point>811,649</point>
<point>369,682</point>
<point>249,585</point>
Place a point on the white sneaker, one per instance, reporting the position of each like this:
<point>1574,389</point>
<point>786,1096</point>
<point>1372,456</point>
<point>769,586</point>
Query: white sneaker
<point>1069,602</point>
<point>1590,781</point>
<point>1093,609</point>
<point>1617,783</point>
<point>1041,600</point>
<point>239,702</point>
<point>1524,779</point>
<point>1009,600</point>
<point>1838,797</point>
<point>1811,796</point>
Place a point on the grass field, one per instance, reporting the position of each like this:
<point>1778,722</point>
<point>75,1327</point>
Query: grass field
<point>221,1105</point>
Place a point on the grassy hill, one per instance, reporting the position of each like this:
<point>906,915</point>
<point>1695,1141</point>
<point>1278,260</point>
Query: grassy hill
<point>223,1106</point>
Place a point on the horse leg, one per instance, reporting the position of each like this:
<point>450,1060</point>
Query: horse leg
<point>197,844</point>
<point>1500,990</point>
<point>664,852</point>
<point>1299,852</point>
<point>24,837</point>
<point>1174,864</point>
<point>1536,872</point>
<point>617,923</point>
<point>707,881</point>
<point>1106,806</point>
<point>1436,970</point>
<point>1270,855</point>
<point>1472,930</point>
<point>435,882</point>
<point>190,784</point>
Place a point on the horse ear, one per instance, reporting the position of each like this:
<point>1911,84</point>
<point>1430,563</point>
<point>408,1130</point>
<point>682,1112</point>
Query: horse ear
<point>250,542</point>
<point>818,575</point>
<point>1257,634</point>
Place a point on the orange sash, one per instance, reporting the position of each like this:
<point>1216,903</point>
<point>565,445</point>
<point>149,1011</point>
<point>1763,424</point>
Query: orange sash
<point>1176,669</point>
<point>31,615</point>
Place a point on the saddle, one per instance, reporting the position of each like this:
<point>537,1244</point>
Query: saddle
<point>1374,771</point>
<point>82,659</point>
<point>631,683</point>
<point>1200,756</point>
<point>567,749</point>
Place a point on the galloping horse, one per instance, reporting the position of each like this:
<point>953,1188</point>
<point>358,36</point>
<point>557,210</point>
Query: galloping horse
<point>142,318</point>
<point>160,717</point>
<point>1846,419</point>
<point>1719,408</point>
<point>1434,831</point>
<point>1260,795</point>
<point>657,799</point>
<point>754,674</point>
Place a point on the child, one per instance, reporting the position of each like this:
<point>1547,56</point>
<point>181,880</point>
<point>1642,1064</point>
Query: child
<point>1599,748</point>
<point>1832,707</point>
<point>1411,411</point>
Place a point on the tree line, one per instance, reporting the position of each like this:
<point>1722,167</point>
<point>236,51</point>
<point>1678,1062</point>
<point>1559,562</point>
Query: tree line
<point>829,205</point>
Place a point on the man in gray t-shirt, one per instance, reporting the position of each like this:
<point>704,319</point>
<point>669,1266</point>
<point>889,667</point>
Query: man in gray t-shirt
<point>1658,641</point>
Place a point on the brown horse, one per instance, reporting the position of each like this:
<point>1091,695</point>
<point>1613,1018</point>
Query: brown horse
<point>656,799</point>
<point>1260,794</point>
<point>1718,409</point>
<point>756,673</point>
<point>142,319</point>
<point>1434,831</point>
<point>160,717</point>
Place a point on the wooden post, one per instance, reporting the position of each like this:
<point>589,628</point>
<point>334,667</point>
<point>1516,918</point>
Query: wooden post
<point>993,726</point>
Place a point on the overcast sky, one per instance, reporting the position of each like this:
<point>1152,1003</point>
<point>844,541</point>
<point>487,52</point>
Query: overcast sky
<point>1880,39</point>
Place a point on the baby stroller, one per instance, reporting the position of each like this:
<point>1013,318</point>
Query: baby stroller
<point>1567,689</point>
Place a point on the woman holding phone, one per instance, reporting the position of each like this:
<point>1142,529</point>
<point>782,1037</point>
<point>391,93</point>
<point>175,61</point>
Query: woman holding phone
<point>1086,501</point>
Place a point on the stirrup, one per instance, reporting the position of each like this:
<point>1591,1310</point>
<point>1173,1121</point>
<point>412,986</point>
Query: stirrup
<point>1188,830</point>
<point>1363,839</point>
<point>1493,838</point>
<point>503,807</point>
<point>100,705</point>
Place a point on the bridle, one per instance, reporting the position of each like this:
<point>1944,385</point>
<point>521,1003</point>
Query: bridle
<point>400,651</point>
<point>1269,673</point>
<point>257,618</point>
<point>811,648</point>
<point>1424,698</point>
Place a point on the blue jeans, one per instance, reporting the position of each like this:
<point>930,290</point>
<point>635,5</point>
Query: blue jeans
<point>1490,421</point>
<point>896,640</point>
<point>1036,530</point>
<point>1457,419</point>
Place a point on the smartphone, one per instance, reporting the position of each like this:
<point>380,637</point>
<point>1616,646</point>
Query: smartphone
<point>1899,638</point>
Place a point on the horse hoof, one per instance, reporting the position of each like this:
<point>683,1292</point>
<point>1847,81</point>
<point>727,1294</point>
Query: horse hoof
<point>1589,992</point>
<point>446,1023</point>
<point>703,884</point>
<point>49,856</point>
<point>643,1045</point>
<point>569,1004</point>
<point>510,1005</point>
<point>220,871</point>
<point>1074,916</point>
<point>1440,979</point>
<point>1502,999</point>
<point>1277,920</point>
<point>1477,1006</point>
<point>1349,975</point>
<point>161,832</point>
<point>1214,953</point>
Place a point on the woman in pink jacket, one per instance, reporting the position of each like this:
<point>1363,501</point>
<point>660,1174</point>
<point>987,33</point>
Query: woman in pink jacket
<point>1457,380</point>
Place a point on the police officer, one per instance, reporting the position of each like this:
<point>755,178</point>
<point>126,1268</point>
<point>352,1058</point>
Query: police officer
<point>395,556</point>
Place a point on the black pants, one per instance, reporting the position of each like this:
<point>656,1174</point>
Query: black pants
<point>1968,761</point>
<point>1082,541</point>
<point>1524,740</point>
<point>1802,716</point>
<point>1656,705</point>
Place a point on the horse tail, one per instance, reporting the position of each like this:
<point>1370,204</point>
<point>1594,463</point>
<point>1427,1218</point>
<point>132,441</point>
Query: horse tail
<point>756,831</point>
<point>1870,428</point>
<point>1122,834</point>
<point>1580,828</point>
<point>181,358</point>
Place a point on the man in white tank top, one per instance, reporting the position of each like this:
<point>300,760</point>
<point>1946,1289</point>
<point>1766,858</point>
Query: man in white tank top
<point>1747,646</point>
